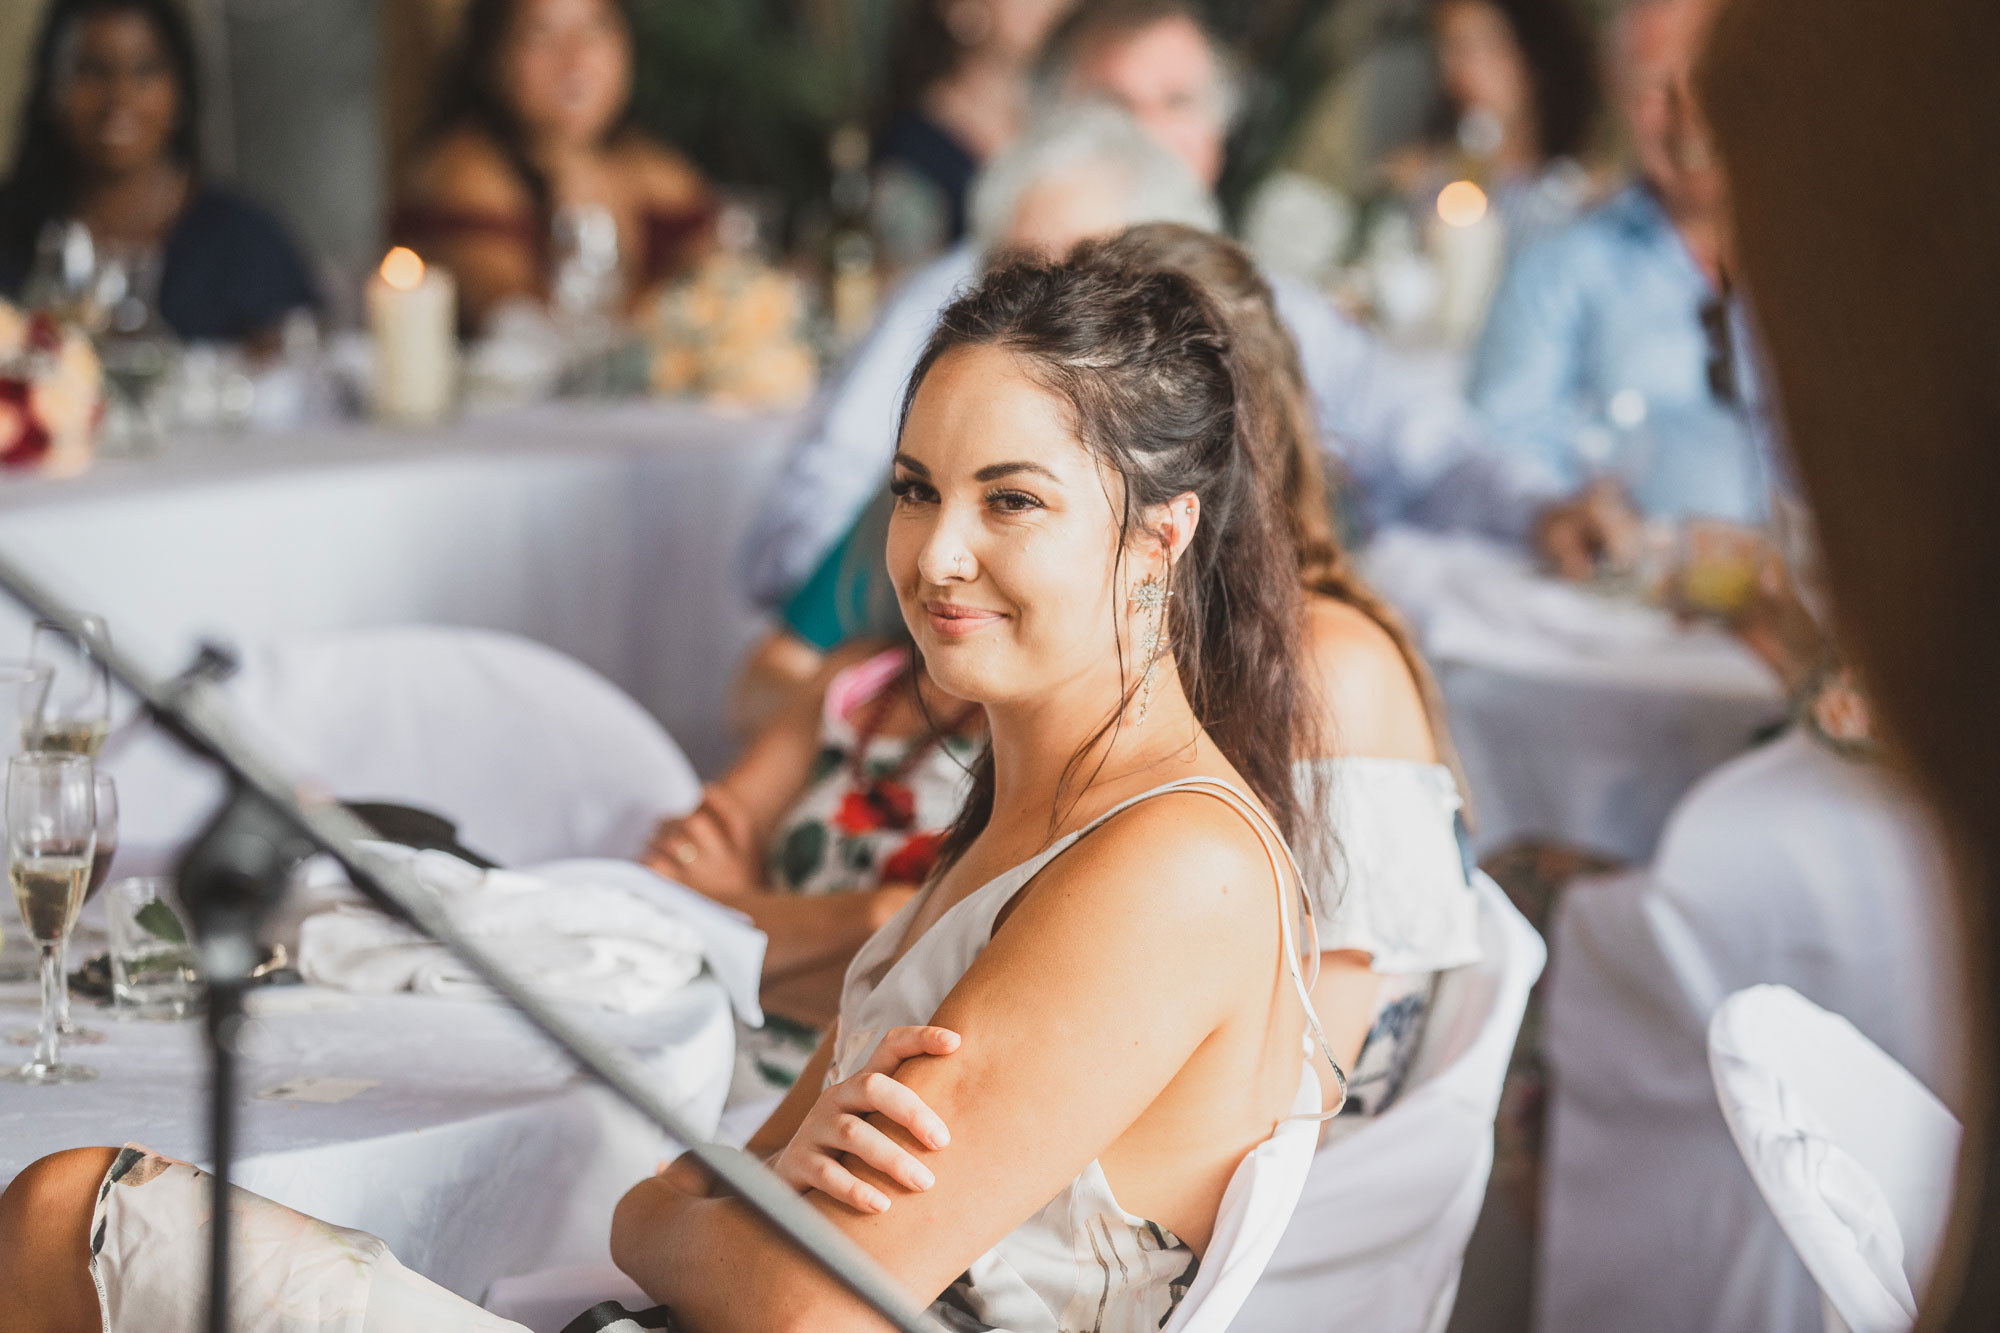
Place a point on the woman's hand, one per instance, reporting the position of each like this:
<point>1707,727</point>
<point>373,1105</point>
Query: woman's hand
<point>712,849</point>
<point>835,1125</point>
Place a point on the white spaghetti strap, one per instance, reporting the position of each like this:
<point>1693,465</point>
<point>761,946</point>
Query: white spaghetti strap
<point>1270,838</point>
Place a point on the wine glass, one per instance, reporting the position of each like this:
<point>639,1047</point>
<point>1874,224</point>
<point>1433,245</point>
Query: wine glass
<point>105,795</point>
<point>77,713</point>
<point>51,833</point>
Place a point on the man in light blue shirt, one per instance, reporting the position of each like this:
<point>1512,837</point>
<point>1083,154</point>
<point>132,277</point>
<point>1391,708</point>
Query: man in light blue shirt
<point>1413,452</point>
<point>1601,355</point>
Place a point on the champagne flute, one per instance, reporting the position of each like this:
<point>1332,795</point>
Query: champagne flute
<point>24,687</point>
<point>51,833</point>
<point>105,793</point>
<point>77,714</point>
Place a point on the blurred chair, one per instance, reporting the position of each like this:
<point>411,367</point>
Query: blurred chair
<point>1378,1237</point>
<point>532,754</point>
<point>1792,865</point>
<point>1853,1154</point>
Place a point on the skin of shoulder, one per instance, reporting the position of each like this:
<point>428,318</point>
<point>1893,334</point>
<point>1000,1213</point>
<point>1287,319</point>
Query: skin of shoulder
<point>1132,996</point>
<point>667,181</point>
<point>1370,702</point>
<point>466,171</point>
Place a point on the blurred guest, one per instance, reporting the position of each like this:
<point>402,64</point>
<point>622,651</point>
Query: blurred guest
<point>825,827</point>
<point>958,91</point>
<point>1517,105</point>
<point>1598,358</point>
<point>1412,454</point>
<point>534,129</point>
<point>108,140</point>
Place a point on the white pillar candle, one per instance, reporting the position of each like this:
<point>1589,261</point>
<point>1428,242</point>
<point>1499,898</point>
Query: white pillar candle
<point>1471,245</point>
<point>413,315</point>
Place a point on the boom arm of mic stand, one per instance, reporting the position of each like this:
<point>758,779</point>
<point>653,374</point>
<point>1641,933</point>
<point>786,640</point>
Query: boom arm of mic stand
<point>187,707</point>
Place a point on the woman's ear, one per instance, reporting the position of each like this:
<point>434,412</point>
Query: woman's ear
<point>1174,524</point>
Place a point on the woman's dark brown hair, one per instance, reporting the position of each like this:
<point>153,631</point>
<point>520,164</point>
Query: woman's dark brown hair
<point>472,97</point>
<point>1562,73</point>
<point>1296,466</point>
<point>1159,395</point>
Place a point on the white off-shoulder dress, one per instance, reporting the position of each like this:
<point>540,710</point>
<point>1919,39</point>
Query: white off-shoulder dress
<point>1081,1264</point>
<point>1392,882</point>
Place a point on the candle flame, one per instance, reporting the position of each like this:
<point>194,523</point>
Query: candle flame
<point>1461,204</point>
<point>403,268</point>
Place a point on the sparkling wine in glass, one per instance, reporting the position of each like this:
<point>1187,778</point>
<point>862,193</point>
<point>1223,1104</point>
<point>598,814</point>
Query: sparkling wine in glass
<point>105,793</point>
<point>51,836</point>
<point>75,716</point>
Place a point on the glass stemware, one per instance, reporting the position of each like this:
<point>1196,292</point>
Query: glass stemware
<point>76,714</point>
<point>105,794</point>
<point>24,687</point>
<point>51,834</point>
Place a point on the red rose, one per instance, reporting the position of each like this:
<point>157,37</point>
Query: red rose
<point>914,860</point>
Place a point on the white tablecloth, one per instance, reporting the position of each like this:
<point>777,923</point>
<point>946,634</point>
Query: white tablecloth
<point>1577,717</point>
<point>609,532</point>
<point>478,1153</point>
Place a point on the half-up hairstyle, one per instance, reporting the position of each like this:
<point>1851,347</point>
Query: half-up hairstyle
<point>1296,466</point>
<point>1158,394</point>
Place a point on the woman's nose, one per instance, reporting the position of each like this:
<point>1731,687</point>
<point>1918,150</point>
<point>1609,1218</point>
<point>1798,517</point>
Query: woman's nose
<point>945,557</point>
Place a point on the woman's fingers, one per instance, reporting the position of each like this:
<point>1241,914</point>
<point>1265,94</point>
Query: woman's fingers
<point>878,1094</point>
<point>830,1178</point>
<point>907,1043</point>
<point>861,1140</point>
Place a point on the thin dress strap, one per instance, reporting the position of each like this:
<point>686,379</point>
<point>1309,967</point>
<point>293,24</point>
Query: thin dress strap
<point>1273,843</point>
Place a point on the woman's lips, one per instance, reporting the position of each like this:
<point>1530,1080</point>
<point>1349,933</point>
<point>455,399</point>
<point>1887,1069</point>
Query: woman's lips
<point>955,621</point>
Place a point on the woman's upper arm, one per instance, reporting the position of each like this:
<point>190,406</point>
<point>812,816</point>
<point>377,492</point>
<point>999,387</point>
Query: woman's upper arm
<point>1122,959</point>
<point>774,771</point>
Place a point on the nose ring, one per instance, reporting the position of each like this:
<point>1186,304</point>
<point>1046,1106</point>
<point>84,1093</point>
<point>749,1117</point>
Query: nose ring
<point>958,564</point>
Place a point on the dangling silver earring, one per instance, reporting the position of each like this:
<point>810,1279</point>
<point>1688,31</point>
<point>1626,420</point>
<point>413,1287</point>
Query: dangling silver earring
<point>1151,596</point>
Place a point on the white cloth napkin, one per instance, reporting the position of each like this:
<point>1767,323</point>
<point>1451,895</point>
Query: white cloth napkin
<point>605,934</point>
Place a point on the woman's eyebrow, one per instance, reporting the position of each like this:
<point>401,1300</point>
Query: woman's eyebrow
<point>995,471</point>
<point>904,460</point>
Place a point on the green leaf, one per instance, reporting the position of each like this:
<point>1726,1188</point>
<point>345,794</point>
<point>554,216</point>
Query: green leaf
<point>159,921</point>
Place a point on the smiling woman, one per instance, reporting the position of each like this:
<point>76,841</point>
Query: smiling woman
<point>1100,991</point>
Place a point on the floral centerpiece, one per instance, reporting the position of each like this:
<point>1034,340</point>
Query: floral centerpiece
<point>51,393</point>
<point>734,332</point>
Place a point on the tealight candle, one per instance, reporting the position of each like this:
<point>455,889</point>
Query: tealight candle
<point>1470,244</point>
<point>413,315</point>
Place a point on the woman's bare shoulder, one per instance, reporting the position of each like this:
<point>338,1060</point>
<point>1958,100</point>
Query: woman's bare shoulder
<point>663,177</point>
<point>1371,704</point>
<point>465,169</point>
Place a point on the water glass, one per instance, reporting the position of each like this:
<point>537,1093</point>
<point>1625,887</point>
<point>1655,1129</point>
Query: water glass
<point>51,833</point>
<point>152,959</point>
<point>76,714</point>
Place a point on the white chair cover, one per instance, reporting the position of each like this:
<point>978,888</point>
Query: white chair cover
<point>1377,1238</point>
<point>1853,1155</point>
<point>532,754</point>
<point>1792,865</point>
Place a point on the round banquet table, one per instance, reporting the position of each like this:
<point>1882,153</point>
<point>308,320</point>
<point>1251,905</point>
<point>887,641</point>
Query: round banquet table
<point>1578,718</point>
<point>475,1151</point>
<point>609,531</point>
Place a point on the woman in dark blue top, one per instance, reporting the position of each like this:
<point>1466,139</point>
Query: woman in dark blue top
<point>108,139</point>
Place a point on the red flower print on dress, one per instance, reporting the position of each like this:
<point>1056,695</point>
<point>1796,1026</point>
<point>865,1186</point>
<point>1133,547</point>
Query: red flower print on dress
<point>914,860</point>
<point>883,804</point>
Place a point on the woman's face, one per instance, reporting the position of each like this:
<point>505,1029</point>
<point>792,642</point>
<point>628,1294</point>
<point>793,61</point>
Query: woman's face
<point>567,68</point>
<point>1479,61</point>
<point>1003,542</point>
<point>115,93</point>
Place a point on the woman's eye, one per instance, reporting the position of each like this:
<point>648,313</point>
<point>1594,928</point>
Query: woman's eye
<point>1013,502</point>
<point>908,491</point>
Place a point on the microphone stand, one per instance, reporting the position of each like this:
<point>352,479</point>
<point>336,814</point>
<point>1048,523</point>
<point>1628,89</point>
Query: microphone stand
<point>236,870</point>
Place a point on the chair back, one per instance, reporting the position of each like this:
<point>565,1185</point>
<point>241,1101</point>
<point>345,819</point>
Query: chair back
<point>533,755</point>
<point>1389,1204</point>
<point>1853,1155</point>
